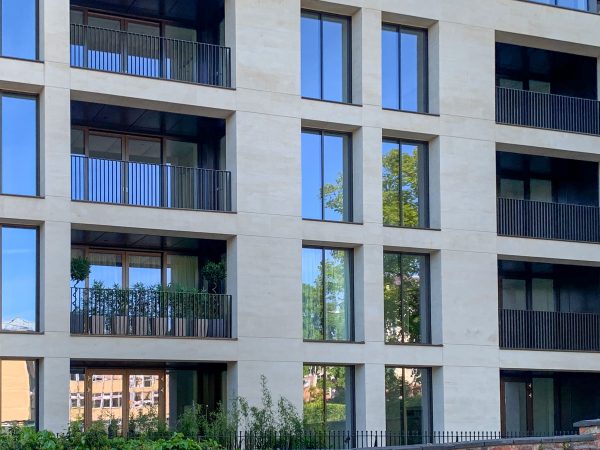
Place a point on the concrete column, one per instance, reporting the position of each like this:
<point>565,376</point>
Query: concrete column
<point>54,31</point>
<point>370,398</point>
<point>230,35</point>
<point>368,299</point>
<point>366,57</point>
<point>54,394</point>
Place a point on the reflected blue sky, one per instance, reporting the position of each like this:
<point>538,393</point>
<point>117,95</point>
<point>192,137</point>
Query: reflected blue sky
<point>19,29</point>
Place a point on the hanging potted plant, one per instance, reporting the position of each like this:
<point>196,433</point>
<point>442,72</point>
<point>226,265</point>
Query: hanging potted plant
<point>214,274</point>
<point>119,310</point>
<point>98,308</point>
<point>80,270</point>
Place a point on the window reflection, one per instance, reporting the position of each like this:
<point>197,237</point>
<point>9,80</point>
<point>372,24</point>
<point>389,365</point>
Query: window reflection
<point>18,393</point>
<point>19,28</point>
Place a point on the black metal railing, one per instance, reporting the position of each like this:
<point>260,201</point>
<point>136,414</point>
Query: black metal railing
<point>544,220</point>
<point>143,184</point>
<point>549,111</point>
<point>549,330</point>
<point>357,439</point>
<point>150,56</point>
<point>149,312</point>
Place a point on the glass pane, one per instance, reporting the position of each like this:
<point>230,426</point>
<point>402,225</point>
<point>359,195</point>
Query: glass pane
<point>144,172</point>
<point>104,44</point>
<point>77,17</point>
<point>181,178</point>
<point>311,175</point>
<point>18,393</point>
<point>391,183</point>
<point>542,295</point>
<point>19,279</point>
<point>338,399</point>
<point>335,59</point>
<point>512,188</point>
<point>314,399</point>
<point>181,393</point>
<point>390,68</point>
<point>337,295</point>
<point>105,147</point>
<point>182,271</point>
<point>515,405</point>
<point>77,396</point>
<point>19,28</point>
<point>143,49</point>
<point>514,294</point>
<point>412,212</point>
<point>510,84</point>
<point>574,4</point>
<point>311,55</point>
<point>144,271</point>
<point>336,179</point>
<point>144,395</point>
<point>105,169</point>
<point>180,33</point>
<point>77,142</point>
<point>104,22</point>
<point>148,29</point>
<point>543,406</point>
<point>181,56</point>
<point>540,86</point>
<point>312,293</point>
<point>106,270</point>
<point>19,145</point>
<point>143,151</point>
<point>540,190</point>
<point>412,71</point>
<point>107,401</point>
<point>184,154</point>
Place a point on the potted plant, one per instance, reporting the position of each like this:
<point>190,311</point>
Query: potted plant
<point>179,311</point>
<point>80,270</point>
<point>197,313</point>
<point>160,312</point>
<point>214,274</point>
<point>142,298</point>
<point>119,310</point>
<point>98,307</point>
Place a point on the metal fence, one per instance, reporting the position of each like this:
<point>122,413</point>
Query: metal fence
<point>526,218</point>
<point>148,312</point>
<point>549,330</point>
<point>549,111</point>
<point>150,56</point>
<point>143,184</point>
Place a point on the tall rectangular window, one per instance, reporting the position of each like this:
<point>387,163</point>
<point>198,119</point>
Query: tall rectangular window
<point>405,183</point>
<point>326,176</point>
<point>18,28</point>
<point>327,294</point>
<point>325,57</point>
<point>19,268</point>
<point>582,5</point>
<point>407,405</point>
<point>406,298</point>
<point>18,145</point>
<point>328,393</point>
<point>18,392</point>
<point>404,68</point>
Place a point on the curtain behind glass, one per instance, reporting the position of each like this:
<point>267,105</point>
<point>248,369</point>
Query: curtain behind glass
<point>182,271</point>
<point>144,270</point>
<point>106,268</point>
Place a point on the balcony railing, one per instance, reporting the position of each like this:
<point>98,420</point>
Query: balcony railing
<point>143,184</point>
<point>150,56</point>
<point>549,111</point>
<point>560,221</point>
<point>148,312</point>
<point>549,330</point>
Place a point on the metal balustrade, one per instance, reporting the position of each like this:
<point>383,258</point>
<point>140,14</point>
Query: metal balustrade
<point>150,56</point>
<point>560,221</point>
<point>549,330</point>
<point>149,312</point>
<point>548,111</point>
<point>143,184</point>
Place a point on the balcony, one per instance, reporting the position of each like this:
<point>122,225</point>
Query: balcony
<point>549,330</point>
<point>544,220</point>
<point>143,184</point>
<point>149,312</point>
<point>150,56</point>
<point>547,111</point>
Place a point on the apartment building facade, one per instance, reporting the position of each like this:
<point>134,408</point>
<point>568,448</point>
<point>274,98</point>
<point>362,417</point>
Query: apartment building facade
<point>388,208</point>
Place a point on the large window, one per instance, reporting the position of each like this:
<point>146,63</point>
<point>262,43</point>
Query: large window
<point>19,267</point>
<point>326,176</point>
<point>327,294</point>
<point>18,392</point>
<point>326,57</point>
<point>407,405</point>
<point>405,183</point>
<point>18,144</point>
<point>404,68</point>
<point>582,5</point>
<point>406,298</point>
<point>328,393</point>
<point>18,37</point>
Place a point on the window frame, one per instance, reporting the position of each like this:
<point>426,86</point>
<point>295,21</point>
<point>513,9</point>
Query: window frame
<point>426,100</point>
<point>37,36</point>
<point>527,275</point>
<point>13,94</point>
<point>37,329</point>
<point>423,181</point>
<point>352,323</point>
<point>36,386</point>
<point>349,75</point>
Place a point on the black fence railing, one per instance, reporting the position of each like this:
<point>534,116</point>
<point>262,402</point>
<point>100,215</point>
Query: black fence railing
<point>143,184</point>
<point>149,312</point>
<point>549,330</point>
<point>549,111</point>
<point>561,221</point>
<point>357,439</point>
<point>150,56</point>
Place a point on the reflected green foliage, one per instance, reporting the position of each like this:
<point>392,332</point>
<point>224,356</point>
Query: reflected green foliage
<point>404,403</point>
<point>401,188</point>
<point>327,398</point>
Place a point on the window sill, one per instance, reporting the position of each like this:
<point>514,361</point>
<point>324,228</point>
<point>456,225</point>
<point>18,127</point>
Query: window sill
<point>419,113</point>
<point>333,221</point>
<point>332,101</point>
<point>412,344</point>
<point>322,341</point>
<point>39,197</point>
<point>412,228</point>
<point>16,58</point>
<point>33,333</point>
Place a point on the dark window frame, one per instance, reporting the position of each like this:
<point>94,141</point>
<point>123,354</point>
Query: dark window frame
<point>349,90</point>
<point>426,100</point>
<point>37,34</point>
<point>422,173</point>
